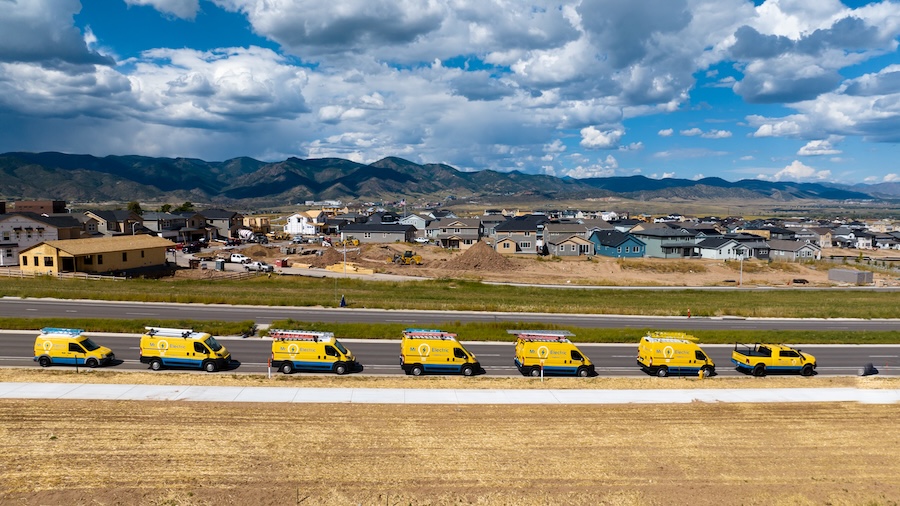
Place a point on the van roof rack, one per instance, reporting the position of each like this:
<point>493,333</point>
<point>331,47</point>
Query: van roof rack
<point>542,335</point>
<point>169,332</point>
<point>671,336</point>
<point>300,335</point>
<point>429,333</point>
<point>61,331</point>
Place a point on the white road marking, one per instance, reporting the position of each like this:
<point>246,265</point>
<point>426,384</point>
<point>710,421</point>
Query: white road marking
<point>882,356</point>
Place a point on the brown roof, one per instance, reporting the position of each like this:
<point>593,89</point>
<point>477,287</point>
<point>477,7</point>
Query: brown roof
<point>108,244</point>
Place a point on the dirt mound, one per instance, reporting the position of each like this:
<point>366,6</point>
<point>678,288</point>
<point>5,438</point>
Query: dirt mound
<point>258,251</point>
<point>480,257</point>
<point>330,256</point>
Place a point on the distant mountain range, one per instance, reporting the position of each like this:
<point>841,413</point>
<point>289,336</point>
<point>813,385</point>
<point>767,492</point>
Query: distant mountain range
<point>85,178</point>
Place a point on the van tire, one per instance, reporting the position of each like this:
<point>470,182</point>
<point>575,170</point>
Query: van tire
<point>662,372</point>
<point>340,369</point>
<point>582,372</point>
<point>210,366</point>
<point>707,371</point>
<point>44,361</point>
<point>155,364</point>
<point>467,370</point>
<point>807,370</point>
<point>287,368</point>
<point>759,370</point>
<point>416,370</point>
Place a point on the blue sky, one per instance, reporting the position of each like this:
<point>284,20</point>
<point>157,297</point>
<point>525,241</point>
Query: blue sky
<point>786,90</point>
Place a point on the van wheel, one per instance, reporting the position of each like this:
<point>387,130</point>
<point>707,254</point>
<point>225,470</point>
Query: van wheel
<point>340,369</point>
<point>707,372</point>
<point>535,371</point>
<point>92,363</point>
<point>210,366</point>
<point>287,368</point>
<point>582,372</point>
<point>467,370</point>
<point>807,370</point>
<point>416,370</point>
<point>759,370</point>
<point>44,361</point>
<point>662,372</point>
<point>156,364</point>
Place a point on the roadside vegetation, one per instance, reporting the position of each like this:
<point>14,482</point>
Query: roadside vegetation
<point>449,294</point>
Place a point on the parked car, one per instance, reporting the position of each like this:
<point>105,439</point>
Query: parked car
<point>232,242</point>
<point>193,247</point>
<point>259,266</point>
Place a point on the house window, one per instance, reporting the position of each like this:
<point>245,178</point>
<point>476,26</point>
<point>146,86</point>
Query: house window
<point>527,234</point>
<point>627,249</point>
<point>8,253</point>
<point>506,245</point>
<point>6,235</point>
<point>524,245</point>
<point>142,253</point>
<point>48,261</point>
<point>367,235</point>
<point>99,259</point>
<point>619,249</point>
<point>37,261</point>
<point>124,256</point>
<point>89,260</point>
<point>572,247</point>
<point>24,260</point>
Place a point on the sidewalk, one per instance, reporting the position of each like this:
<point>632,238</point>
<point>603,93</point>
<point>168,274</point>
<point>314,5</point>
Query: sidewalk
<point>75,391</point>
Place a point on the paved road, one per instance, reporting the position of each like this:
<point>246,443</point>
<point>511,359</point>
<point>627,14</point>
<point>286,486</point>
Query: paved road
<point>34,308</point>
<point>381,357</point>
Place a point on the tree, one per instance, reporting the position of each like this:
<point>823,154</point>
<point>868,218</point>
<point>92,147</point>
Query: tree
<point>135,207</point>
<point>165,208</point>
<point>187,206</point>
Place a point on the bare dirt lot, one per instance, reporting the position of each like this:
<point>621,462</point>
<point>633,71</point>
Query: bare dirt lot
<point>111,452</point>
<point>482,263</point>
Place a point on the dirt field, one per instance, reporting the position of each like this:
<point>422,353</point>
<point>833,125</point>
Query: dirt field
<point>482,263</point>
<point>154,453</point>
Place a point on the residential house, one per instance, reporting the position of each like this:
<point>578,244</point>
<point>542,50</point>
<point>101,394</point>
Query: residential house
<point>114,254</point>
<point>612,243</point>
<point>20,231</point>
<point>667,242</point>
<point>224,224</point>
<point>258,224</point>
<point>562,229</point>
<point>166,225</point>
<point>39,206</point>
<point>720,248</point>
<point>793,251</point>
<point>301,224</point>
<point>521,234</point>
<point>195,227</point>
<point>755,245</point>
<point>490,221</point>
<point>456,233</point>
<point>118,222</point>
<point>378,232</point>
<point>572,246</point>
<point>420,222</point>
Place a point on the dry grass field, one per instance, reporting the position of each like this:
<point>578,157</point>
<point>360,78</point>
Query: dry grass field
<point>109,452</point>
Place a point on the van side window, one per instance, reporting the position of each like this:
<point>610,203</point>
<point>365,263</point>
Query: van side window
<point>329,350</point>
<point>576,355</point>
<point>199,348</point>
<point>75,348</point>
<point>789,353</point>
<point>458,353</point>
<point>699,355</point>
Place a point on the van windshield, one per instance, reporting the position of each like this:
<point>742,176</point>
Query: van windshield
<point>89,345</point>
<point>338,345</point>
<point>212,343</point>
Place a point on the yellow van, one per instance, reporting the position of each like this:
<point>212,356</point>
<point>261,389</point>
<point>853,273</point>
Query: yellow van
<point>67,346</point>
<point>550,352</point>
<point>665,353</point>
<point>162,347</point>
<point>302,350</point>
<point>435,351</point>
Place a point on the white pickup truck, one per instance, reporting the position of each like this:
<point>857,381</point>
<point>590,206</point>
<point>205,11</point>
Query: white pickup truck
<point>259,266</point>
<point>239,258</point>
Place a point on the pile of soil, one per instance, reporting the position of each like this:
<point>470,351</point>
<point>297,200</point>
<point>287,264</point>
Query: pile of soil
<point>330,256</point>
<point>258,251</point>
<point>481,257</point>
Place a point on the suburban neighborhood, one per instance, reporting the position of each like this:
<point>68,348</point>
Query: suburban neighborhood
<point>44,237</point>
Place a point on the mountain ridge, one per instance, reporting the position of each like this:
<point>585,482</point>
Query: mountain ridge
<point>79,177</point>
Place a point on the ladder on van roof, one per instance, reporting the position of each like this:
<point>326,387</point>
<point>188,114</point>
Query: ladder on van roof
<point>542,335</point>
<point>169,332</point>
<point>300,335</point>
<point>61,331</point>
<point>662,336</point>
<point>429,334</point>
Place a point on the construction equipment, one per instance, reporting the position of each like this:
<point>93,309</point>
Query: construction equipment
<point>407,258</point>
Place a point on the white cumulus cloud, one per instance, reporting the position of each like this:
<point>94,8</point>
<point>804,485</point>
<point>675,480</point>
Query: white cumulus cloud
<point>592,138</point>
<point>797,171</point>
